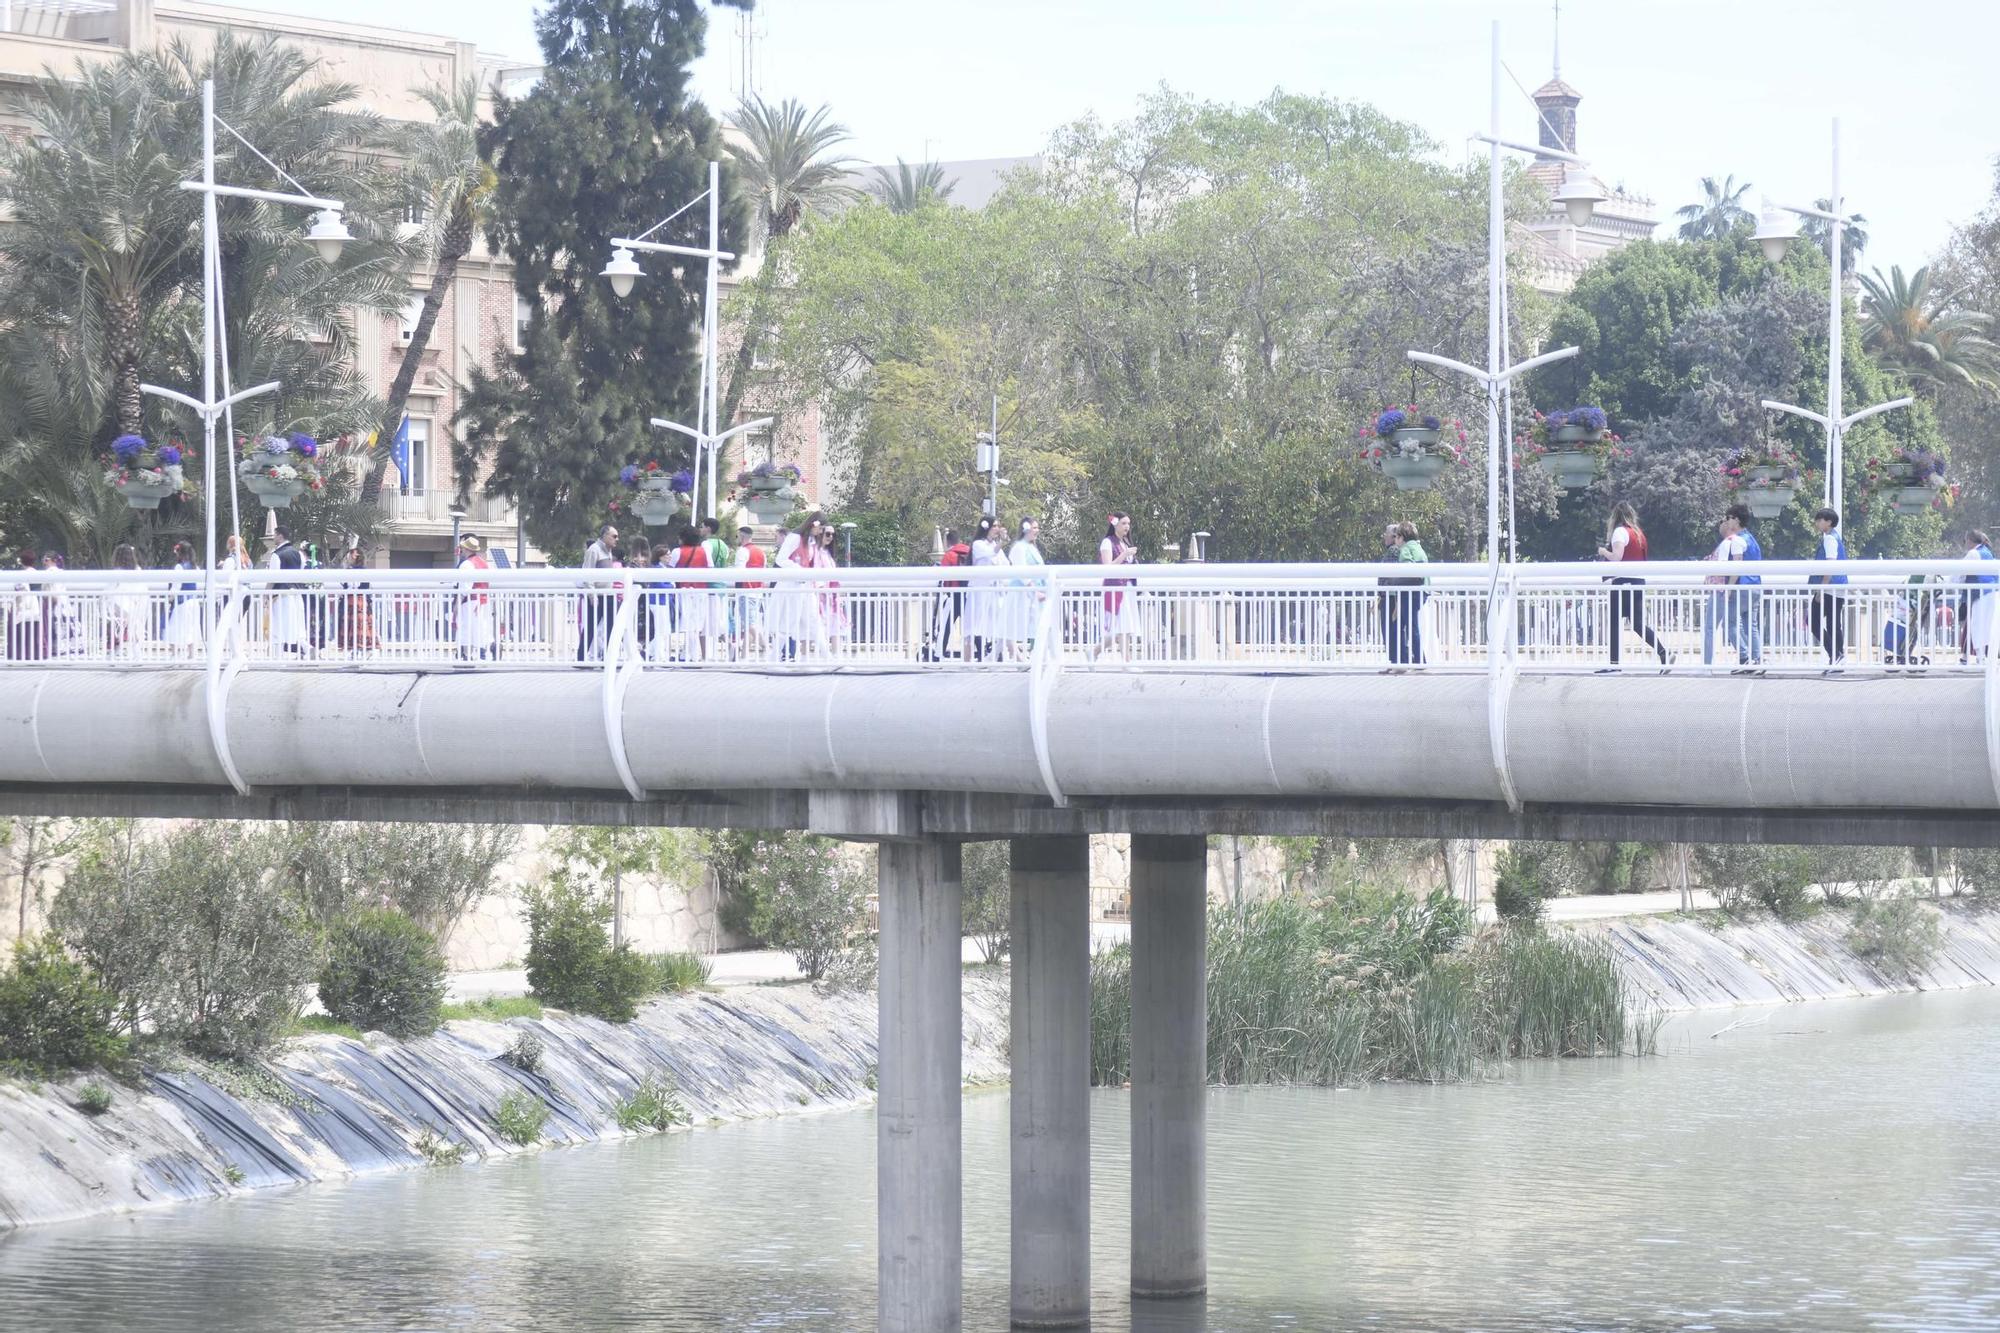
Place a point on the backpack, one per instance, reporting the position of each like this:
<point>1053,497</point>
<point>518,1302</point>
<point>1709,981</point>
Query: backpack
<point>958,554</point>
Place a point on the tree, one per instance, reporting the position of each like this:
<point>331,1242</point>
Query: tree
<point>604,145</point>
<point>910,189</point>
<point>446,184</point>
<point>1853,235</point>
<point>789,172</point>
<point>1923,333</point>
<point>432,873</point>
<point>1720,211</point>
<point>31,846</point>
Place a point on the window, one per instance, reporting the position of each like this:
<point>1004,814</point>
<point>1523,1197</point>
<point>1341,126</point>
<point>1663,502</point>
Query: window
<point>524,311</point>
<point>416,214</point>
<point>417,480</point>
<point>406,322</point>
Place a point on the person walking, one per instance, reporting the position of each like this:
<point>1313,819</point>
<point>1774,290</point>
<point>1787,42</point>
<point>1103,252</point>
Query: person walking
<point>796,616</point>
<point>980,628</point>
<point>712,618</point>
<point>949,608</point>
<point>1828,611</point>
<point>1980,602</point>
<point>1715,604</point>
<point>595,607</point>
<point>288,603</point>
<point>475,604</point>
<point>182,630</point>
<point>748,628</point>
<point>1029,594</point>
<point>356,623</point>
<point>27,639</point>
<point>1746,593</point>
<point>1625,544</point>
<point>1406,622</point>
<point>832,613</point>
<point>1121,613</point>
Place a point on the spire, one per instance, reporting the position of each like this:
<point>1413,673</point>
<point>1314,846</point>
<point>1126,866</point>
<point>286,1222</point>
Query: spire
<point>1555,102</point>
<point>1557,62</point>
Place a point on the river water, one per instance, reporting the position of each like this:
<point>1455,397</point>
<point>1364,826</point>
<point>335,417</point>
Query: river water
<point>1822,1166</point>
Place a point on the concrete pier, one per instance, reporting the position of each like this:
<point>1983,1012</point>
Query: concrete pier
<point>1169,1066</point>
<point>918,1171</point>
<point>1049,1113</point>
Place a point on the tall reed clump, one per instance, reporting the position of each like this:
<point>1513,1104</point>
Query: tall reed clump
<point>1370,984</point>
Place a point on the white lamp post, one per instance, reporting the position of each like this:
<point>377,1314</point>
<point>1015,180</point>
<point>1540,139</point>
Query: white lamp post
<point>1579,198</point>
<point>713,444</point>
<point>1774,233</point>
<point>624,272</point>
<point>328,233</point>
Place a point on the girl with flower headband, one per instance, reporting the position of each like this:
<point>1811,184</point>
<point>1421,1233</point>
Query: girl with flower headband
<point>1121,621</point>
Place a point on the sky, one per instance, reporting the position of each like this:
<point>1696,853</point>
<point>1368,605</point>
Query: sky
<point>1673,90</point>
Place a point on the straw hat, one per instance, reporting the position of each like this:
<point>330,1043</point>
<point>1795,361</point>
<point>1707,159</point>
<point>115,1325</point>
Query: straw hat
<point>470,543</point>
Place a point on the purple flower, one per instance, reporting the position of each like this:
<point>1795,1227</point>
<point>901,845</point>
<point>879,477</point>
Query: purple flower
<point>681,482</point>
<point>1556,420</point>
<point>170,456</point>
<point>1390,422</point>
<point>303,444</point>
<point>629,474</point>
<point>1432,423</point>
<point>1590,418</point>
<point>127,447</point>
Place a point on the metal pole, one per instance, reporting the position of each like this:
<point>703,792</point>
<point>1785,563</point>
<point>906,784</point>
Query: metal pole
<point>993,477</point>
<point>1495,282</point>
<point>708,424</point>
<point>1835,464</point>
<point>520,540</point>
<point>208,332</point>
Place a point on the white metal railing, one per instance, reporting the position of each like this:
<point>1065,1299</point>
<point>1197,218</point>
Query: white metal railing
<point>1890,617</point>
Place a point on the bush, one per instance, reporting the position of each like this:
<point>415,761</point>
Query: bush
<point>525,1054</point>
<point>53,1013</point>
<point>194,937</point>
<point>432,873</point>
<point>384,972</point>
<point>984,873</point>
<point>1518,886</point>
<point>810,898</point>
<point>1859,872</point>
<point>1897,936</point>
<point>655,1105</point>
<point>571,963</point>
<point>1774,878</point>
<point>519,1118</point>
<point>673,973</point>
<point>93,1099</point>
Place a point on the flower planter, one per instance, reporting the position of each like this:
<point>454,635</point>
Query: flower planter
<point>1768,491</point>
<point>142,492</point>
<point>1410,438</point>
<point>1573,469</point>
<point>657,505</point>
<point>1912,500</point>
<point>769,507</point>
<point>1575,435</point>
<point>1414,471</point>
<point>1899,474</point>
<point>273,492</point>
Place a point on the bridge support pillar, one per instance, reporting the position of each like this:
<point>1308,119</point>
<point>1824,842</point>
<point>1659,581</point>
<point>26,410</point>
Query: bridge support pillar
<point>918,1170</point>
<point>1049,1110</point>
<point>1169,1066</point>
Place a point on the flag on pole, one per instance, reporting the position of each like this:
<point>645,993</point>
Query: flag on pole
<point>399,452</point>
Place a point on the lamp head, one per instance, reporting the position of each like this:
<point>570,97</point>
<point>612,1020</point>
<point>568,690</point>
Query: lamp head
<point>1775,231</point>
<point>1579,196</point>
<point>623,270</point>
<point>328,234</point>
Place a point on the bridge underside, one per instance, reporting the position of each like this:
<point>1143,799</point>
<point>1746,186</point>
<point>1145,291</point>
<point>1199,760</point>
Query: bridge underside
<point>977,817</point>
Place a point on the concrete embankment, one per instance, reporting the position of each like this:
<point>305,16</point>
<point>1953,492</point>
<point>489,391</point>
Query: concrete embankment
<point>335,1107</point>
<point>1712,961</point>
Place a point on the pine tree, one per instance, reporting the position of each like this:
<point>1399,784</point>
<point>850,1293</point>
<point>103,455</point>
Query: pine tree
<point>605,145</point>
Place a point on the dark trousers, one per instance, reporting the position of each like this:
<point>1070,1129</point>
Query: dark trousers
<point>595,625</point>
<point>1829,624</point>
<point>1402,626</point>
<point>944,614</point>
<point>1629,605</point>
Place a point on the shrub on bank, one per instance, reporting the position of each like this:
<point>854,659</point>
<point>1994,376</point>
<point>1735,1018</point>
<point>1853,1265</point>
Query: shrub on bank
<point>53,1013</point>
<point>673,973</point>
<point>1898,937</point>
<point>519,1118</point>
<point>385,973</point>
<point>571,962</point>
<point>809,899</point>
<point>654,1105</point>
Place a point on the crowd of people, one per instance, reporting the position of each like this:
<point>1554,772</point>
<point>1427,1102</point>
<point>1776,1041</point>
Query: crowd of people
<point>991,620</point>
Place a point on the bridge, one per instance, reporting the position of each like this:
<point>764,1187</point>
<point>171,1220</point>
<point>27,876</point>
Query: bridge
<point>918,708</point>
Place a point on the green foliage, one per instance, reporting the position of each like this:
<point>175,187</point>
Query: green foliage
<point>879,538</point>
<point>1520,885</point>
<point>1859,872</point>
<point>571,962</point>
<point>1374,984</point>
<point>525,1054</point>
<point>607,143</point>
<point>1975,871</point>
<point>196,941</point>
<point>1899,937</point>
<point>1773,878</point>
<point>493,1008</point>
<point>432,873</point>
<point>807,897</point>
<point>986,881</point>
<point>519,1118</point>
<point>437,1151</point>
<point>321,1024</point>
<point>93,1099</point>
<point>53,1013</point>
<point>673,973</point>
<point>654,1105</point>
<point>1322,865</point>
<point>384,972</point>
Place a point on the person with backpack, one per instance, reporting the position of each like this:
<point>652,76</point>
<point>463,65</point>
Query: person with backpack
<point>1626,544</point>
<point>747,624</point>
<point>1828,611</point>
<point>1746,592</point>
<point>949,606</point>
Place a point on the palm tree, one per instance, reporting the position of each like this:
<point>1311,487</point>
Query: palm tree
<point>907,189</point>
<point>1910,327</point>
<point>1720,211</point>
<point>445,187</point>
<point>1853,235</point>
<point>790,170</point>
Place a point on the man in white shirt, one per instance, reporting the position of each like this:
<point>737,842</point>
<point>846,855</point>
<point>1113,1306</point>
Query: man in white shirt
<point>594,608</point>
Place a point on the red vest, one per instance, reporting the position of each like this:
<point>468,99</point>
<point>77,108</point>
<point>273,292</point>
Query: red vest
<point>753,558</point>
<point>1635,543</point>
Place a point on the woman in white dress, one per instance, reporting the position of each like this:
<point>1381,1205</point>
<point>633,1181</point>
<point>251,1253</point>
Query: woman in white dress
<point>832,613</point>
<point>795,619</point>
<point>183,633</point>
<point>1027,596</point>
<point>475,605</point>
<point>62,635</point>
<point>1121,613</point>
<point>982,613</point>
<point>125,608</point>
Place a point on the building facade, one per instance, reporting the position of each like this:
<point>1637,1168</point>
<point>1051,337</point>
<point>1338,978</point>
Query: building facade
<point>1556,251</point>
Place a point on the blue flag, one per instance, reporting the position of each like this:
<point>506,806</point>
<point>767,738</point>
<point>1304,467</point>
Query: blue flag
<point>399,452</point>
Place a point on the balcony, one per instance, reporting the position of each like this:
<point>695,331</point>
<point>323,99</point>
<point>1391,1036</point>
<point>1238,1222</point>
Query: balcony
<point>63,20</point>
<point>425,510</point>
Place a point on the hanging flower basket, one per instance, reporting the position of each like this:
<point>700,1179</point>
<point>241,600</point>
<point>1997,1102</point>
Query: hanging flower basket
<point>1910,501</point>
<point>1573,447</point>
<point>769,479</point>
<point>143,473</point>
<point>280,469</point>
<point>1409,447</point>
<point>1913,479</point>
<point>1763,477</point>
<point>657,496</point>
